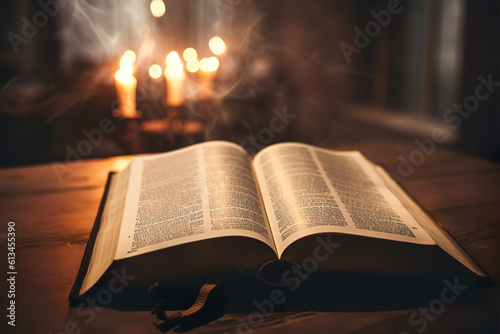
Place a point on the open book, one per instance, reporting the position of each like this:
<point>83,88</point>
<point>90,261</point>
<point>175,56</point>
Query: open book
<point>208,208</point>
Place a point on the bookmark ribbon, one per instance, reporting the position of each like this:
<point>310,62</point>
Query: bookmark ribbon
<point>178,314</point>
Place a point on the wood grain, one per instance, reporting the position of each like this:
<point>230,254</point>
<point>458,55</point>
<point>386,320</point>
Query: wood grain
<point>54,219</point>
<point>89,174</point>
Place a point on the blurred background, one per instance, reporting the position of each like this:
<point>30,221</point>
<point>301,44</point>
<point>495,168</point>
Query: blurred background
<point>321,72</point>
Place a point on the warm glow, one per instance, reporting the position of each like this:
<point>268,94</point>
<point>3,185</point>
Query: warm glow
<point>209,64</point>
<point>174,74</point>
<point>126,62</point>
<point>123,75</point>
<point>144,31</point>
<point>174,65</point>
<point>208,67</point>
<point>217,45</point>
<point>126,85</point>
<point>157,8</point>
<point>147,48</point>
<point>203,61</point>
<point>155,71</point>
<point>130,54</point>
<point>193,65</point>
<point>189,53</point>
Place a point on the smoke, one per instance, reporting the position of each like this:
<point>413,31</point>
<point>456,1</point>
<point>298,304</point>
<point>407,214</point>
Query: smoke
<point>99,31</point>
<point>68,57</point>
<point>273,58</point>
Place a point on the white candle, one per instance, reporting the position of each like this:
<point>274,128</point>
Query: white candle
<point>126,85</point>
<point>217,46</point>
<point>207,72</point>
<point>175,76</point>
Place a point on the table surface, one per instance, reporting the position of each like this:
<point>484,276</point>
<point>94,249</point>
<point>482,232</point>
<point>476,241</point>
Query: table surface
<point>54,218</point>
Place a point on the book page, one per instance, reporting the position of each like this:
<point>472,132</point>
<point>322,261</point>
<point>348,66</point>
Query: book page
<point>443,239</point>
<point>307,190</point>
<point>204,191</point>
<point>107,238</point>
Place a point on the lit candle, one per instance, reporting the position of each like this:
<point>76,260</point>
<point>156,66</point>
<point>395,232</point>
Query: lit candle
<point>175,76</point>
<point>126,84</point>
<point>157,8</point>
<point>193,65</point>
<point>189,53</point>
<point>191,57</point>
<point>217,45</point>
<point>155,71</point>
<point>208,69</point>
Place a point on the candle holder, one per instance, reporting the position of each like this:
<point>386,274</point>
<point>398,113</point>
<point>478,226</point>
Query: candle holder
<point>183,127</point>
<point>170,124</point>
<point>179,128</point>
<point>174,122</point>
<point>127,132</point>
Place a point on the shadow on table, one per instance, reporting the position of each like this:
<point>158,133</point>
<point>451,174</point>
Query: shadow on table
<point>247,294</point>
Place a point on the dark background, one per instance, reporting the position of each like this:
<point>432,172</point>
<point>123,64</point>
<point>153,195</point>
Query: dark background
<point>284,54</point>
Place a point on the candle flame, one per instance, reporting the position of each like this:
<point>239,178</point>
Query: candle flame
<point>157,8</point>
<point>193,65</point>
<point>124,76</point>
<point>174,65</point>
<point>155,71</point>
<point>126,84</point>
<point>126,62</point>
<point>209,64</point>
<point>189,53</point>
<point>217,45</point>
<point>130,54</point>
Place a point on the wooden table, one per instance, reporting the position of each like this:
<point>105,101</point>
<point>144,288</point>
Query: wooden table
<point>54,217</point>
